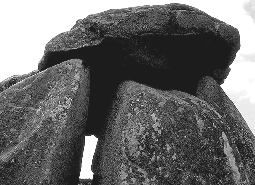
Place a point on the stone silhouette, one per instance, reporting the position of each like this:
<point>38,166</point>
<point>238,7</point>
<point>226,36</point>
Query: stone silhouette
<point>146,82</point>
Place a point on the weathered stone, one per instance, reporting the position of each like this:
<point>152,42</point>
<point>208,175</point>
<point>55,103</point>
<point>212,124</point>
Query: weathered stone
<point>15,79</point>
<point>139,68</point>
<point>241,135</point>
<point>42,121</point>
<point>166,137</point>
<point>173,37</point>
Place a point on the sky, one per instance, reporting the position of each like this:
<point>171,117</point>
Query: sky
<point>27,26</point>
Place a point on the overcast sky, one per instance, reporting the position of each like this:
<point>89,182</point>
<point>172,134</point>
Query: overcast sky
<point>27,25</point>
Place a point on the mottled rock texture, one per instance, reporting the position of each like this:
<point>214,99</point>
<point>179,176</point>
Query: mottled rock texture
<point>15,79</point>
<point>146,82</point>
<point>168,137</point>
<point>241,136</point>
<point>173,37</point>
<point>42,121</point>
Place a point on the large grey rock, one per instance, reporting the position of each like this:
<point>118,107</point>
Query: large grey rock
<point>176,37</point>
<point>42,127</point>
<point>167,137</point>
<point>242,137</point>
<point>135,63</point>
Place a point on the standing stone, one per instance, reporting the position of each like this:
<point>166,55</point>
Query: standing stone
<point>42,121</point>
<point>241,135</point>
<point>166,137</point>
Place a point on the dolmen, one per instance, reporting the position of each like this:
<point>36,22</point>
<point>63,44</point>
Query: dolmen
<point>146,82</point>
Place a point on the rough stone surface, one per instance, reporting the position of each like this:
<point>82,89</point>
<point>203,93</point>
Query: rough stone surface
<point>42,121</point>
<point>241,135</point>
<point>15,79</point>
<point>147,85</point>
<point>85,182</point>
<point>167,137</point>
<point>173,37</point>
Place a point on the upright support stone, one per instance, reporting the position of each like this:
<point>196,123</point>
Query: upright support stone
<point>165,137</point>
<point>42,121</point>
<point>241,135</point>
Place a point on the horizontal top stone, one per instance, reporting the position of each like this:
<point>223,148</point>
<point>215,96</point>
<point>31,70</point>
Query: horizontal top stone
<point>172,30</point>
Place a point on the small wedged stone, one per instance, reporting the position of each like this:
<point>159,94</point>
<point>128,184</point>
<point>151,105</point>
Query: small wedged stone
<point>5,84</point>
<point>85,182</point>
<point>174,37</point>
<point>42,121</point>
<point>166,137</point>
<point>241,135</point>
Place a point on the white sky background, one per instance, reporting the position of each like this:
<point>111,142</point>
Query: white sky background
<point>27,25</point>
